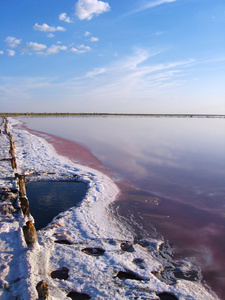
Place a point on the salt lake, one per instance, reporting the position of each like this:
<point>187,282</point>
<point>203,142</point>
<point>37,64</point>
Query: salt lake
<point>171,172</point>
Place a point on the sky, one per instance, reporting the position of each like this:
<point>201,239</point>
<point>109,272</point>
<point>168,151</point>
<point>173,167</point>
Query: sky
<point>119,56</point>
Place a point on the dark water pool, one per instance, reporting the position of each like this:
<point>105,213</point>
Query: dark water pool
<point>48,199</point>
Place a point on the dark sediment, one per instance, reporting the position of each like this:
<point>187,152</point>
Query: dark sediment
<point>60,273</point>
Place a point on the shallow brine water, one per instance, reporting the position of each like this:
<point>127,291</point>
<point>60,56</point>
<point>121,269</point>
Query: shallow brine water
<point>48,199</point>
<point>176,171</point>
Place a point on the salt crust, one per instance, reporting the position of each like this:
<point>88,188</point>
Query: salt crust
<point>89,225</point>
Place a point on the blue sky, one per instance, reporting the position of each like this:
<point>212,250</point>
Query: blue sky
<point>150,56</point>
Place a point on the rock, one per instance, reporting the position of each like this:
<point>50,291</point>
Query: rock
<point>61,273</point>
<point>6,209</point>
<point>157,272</point>
<point>64,242</point>
<point>127,246</point>
<point>30,233</point>
<point>42,289</point>
<point>129,275</point>
<point>78,296</point>
<point>62,235</point>
<point>8,195</point>
<point>93,251</point>
<point>151,245</point>
<point>167,296</point>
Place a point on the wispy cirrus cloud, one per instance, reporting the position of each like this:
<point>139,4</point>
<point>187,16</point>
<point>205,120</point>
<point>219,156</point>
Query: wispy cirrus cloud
<point>20,88</point>
<point>87,9</point>
<point>149,4</point>
<point>133,76</point>
<point>127,79</point>
<point>95,72</point>
<point>45,27</point>
<point>121,82</point>
<point>158,33</point>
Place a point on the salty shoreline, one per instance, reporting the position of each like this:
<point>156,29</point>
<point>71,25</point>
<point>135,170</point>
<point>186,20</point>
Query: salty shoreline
<point>87,226</point>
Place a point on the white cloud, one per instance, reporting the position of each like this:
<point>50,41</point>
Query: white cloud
<point>42,49</point>
<point>87,33</point>
<point>55,49</point>
<point>134,76</point>
<point>131,62</point>
<point>159,33</point>
<point>12,41</point>
<point>1,52</point>
<point>150,4</point>
<point>35,46</point>
<point>46,28</point>
<point>94,39</point>
<point>63,17</point>
<point>86,9</point>
<point>11,52</point>
<point>14,89</point>
<point>81,49</point>
<point>95,72</point>
<point>51,35</point>
<point>156,3</point>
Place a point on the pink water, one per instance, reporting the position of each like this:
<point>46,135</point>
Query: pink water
<point>171,173</point>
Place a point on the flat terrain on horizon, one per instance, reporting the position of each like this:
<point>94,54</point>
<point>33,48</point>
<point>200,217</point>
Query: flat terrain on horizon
<point>114,114</point>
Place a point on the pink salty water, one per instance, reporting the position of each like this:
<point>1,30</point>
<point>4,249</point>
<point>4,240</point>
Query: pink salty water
<point>171,174</point>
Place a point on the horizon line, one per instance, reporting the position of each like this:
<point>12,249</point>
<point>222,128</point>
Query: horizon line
<point>110,114</point>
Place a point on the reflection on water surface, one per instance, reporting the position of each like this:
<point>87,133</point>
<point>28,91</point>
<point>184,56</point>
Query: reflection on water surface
<point>48,199</point>
<point>181,162</point>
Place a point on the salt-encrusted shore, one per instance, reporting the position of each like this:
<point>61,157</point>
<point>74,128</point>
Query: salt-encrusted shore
<point>89,228</point>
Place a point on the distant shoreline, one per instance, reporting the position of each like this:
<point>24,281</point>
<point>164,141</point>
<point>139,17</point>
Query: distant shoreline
<point>115,115</point>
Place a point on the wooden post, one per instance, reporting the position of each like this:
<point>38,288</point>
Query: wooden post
<point>30,234</point>
<point>12,145</point>
<point>6,125</point>
<point>22,187</point>
<point>42,289</point>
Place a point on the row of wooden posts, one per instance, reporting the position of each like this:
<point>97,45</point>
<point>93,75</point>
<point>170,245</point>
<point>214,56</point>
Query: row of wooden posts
<point>29,231</point>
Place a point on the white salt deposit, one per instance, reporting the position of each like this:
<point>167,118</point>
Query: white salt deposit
<point>90,225</point>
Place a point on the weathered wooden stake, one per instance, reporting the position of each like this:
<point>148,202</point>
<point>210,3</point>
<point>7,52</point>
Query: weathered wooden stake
<point>12,145</point>
<point>24,203</point>
<point>22,187</point>
<point>42,289</point>
<point>30,234</point>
